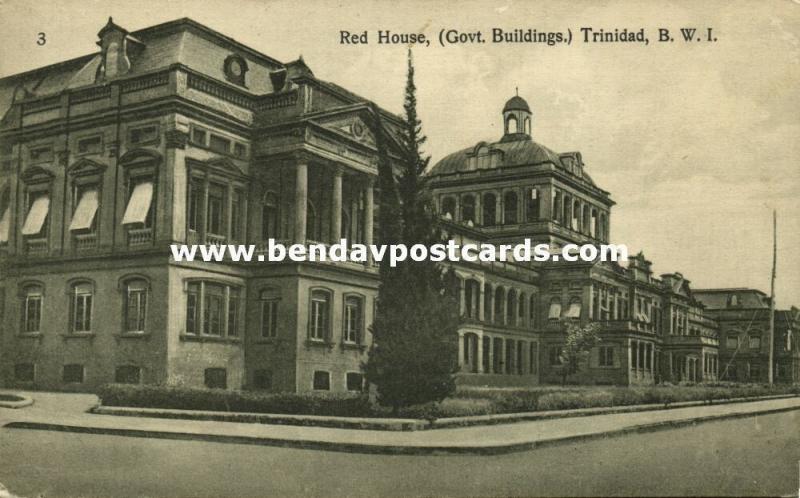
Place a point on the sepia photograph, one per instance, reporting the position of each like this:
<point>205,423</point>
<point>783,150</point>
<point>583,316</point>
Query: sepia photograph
<point>462,248</point>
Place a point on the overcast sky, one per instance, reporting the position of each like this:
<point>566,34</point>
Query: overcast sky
<point>696,142</point>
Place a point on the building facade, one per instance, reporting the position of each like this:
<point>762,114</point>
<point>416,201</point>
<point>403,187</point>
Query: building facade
<point>177,134</point>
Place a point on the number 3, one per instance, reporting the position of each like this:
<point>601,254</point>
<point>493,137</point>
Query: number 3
<point>42,39</point>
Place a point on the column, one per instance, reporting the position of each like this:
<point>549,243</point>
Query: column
<point>462,308</point>
<point>652,359</point>
<point>336,206</point>
<point>498,214</point>
<point>300,202</point>
<point>460,350</point>
<point>204,212</point>
<point>479,355</point>
<point>369,215</point>
<point>490,355</point>
<point>229,218</point>
<point>503,356</point>
<point>490,315</point>
<point>481,301</point>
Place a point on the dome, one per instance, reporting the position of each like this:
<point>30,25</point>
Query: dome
<point>516,103</point>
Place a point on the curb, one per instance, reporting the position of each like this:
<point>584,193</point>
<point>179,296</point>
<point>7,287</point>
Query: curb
<point>392,449</point>
<point>388,424</point>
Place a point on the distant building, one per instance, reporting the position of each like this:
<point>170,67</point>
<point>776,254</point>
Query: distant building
<point>179,134</point>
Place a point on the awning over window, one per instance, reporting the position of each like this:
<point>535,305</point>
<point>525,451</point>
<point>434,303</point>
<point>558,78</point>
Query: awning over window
<point>85,212</point>
<point>5,225</point>
<point>555,311</point>
<point>139,203</point>
<point>574,310</point>
<point>36,215</point>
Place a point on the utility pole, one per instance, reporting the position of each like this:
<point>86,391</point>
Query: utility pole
<point>772,298</point>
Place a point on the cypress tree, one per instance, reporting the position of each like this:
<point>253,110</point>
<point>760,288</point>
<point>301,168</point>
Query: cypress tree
<point>413,357</point>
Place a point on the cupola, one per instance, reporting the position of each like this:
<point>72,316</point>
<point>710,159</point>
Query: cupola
<point>116,48</point>
<point>516,118</point>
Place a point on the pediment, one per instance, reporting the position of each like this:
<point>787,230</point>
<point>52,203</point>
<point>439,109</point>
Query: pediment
<point>86,167</point>
<point>36,174</point>
<point>352,125</point>
<point>140,156</point>
<point>224,164</point>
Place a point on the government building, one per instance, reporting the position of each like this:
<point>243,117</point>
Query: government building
<point>177,134</point>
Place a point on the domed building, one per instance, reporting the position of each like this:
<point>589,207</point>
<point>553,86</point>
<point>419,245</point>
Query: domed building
<point>512,189</point>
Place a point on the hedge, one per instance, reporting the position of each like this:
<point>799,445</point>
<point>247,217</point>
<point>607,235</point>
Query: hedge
<point>465,402</point>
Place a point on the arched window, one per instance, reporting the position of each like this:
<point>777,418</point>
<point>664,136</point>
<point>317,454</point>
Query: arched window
<point>593,224</point>
<point>269,217</point>
<point>449,208</point>
<point>489,210</point>
<point>81,306</point>
<point>532,311</point>
<point>566,215</point>
<point>135,311</point>
<point>468,208</point>
<point>499,304</point>
<point>576,215</point>
<point>319,315</point>
<point>346,226</point>
<point>557,206</point>
<point>511,307</point>
<point>511,125</point>
<point>269,299</point>
<point>532,205</point>
<point>313,225</point>
<point>510,208</point>
<point>528,126</point>
<point>32,309</point>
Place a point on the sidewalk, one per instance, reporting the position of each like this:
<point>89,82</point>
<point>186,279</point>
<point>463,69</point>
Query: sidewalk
<point>67,412</point>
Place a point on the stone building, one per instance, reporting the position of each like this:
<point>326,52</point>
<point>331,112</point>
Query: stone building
<point>178,134</point>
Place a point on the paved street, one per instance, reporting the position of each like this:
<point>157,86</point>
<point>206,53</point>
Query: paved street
<point>751,456</point>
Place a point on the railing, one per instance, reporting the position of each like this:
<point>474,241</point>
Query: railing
<point>140,236</point>
<point>36,246</point>
<point>85,241</point>
<point>215,240</point>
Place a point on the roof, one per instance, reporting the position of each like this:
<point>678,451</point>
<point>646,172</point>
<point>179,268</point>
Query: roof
<point>732,298</point>
<point>516,103</point>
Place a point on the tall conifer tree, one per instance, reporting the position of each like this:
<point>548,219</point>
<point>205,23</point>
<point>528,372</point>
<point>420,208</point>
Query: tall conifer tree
<point>414,352</point>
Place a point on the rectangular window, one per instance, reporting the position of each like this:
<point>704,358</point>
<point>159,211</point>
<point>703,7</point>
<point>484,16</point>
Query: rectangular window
<point>320,302</point>
<point>269,318</point>
<point>86,209</point>
<point>143,134</point>
<point>755,342</point>
<point>262,379</point>
<point>355,381</point>
<point>32,313</point>
<point>193,308</point>
<point>233,312</point>
<point>41,154</point>
<point>219,144</point>
<point>199,136</point>
<point>755,372</point>
<point>213,304</point>
<point>140,201</point>
<point>322,380</point>
<point>353,311</point>
<point>73,374</point>
<point>554,355</point>
<point>216,378</point>
<point>136,307</point>
<point>215,214</point>
<point>37,214</point>
<point>91,145</point>
<point>24,372</point>
<point>128,374</point>
<point>82,308</point>
<point>732,342</point>
<point>195,203</point>
<point>606,356</point>
<point>239,150</point>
